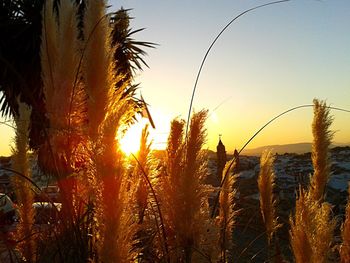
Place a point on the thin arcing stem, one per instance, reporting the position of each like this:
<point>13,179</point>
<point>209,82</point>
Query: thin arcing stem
<point>31,182</point>
<point>255,134</point>
<point>210,47</point>
<point>250,244</point>
<point>157,203</point>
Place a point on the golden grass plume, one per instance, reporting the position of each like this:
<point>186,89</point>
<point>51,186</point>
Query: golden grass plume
<point>322,138</point>
<point>227,212</point>
<point>97,64</point>
<point>184,196</point>
<point>344,250</point>
<point>312,228</point>
<point>266,183</point>
<point>22,187</point>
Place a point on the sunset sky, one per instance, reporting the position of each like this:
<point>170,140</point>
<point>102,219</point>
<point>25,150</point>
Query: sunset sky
<point>268,61</point>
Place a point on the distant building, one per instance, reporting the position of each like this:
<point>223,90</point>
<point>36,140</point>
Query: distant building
<point>221,158</point>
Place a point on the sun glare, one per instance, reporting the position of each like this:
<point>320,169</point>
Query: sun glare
<point>130,142</point>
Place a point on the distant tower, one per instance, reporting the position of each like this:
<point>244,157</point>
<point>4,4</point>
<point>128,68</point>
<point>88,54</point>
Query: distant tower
<point>221,158</point>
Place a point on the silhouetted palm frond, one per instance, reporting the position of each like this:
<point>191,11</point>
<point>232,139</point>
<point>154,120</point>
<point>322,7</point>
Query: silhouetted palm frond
<point>20,33</point>
<point>128,52</point>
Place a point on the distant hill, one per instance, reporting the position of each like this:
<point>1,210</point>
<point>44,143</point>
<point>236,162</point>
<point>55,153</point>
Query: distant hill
<point>298,148</point>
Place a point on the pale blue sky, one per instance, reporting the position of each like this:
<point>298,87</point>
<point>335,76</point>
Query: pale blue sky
<point>269,60</point>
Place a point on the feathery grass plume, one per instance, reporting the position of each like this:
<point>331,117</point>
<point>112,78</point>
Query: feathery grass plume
<point>98,83</point>
<point>64,99</point>
<point>175,149</point>
<point>344,250</point>
<point>23,189</point>
<point>266,183</point>
<point>311,230</point>
<point>227,213</point>
<point>322,138</point>
<point>97,64</point>
<point>192,188</point>
<point>184,196</point>
<point>108,111</point>
<point>148,239</point>
<point>116,231</point>
<point>59,59</point>
<point>141,193</point>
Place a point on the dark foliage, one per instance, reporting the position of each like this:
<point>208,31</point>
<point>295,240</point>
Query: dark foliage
<point>20,71</point>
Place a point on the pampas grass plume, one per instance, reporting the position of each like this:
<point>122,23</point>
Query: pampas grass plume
<point>227,213</point>
<point>266,183</point>
<point>344,250</point>
<point>322,137</point>
<point>184,197</point>
<point>97,64</point>
<point>143,158</point>
<point>22,187</point>
<point>311,230</point>
<point>59,60</point>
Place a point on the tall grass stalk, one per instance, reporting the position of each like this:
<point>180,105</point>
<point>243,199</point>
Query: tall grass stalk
<point>145,244</point>
<point>97,65</point>
<point>116,229</point>
<point>22,187</point>
<point>344,250</point>
<point>322,138</point>
<point>115,110</point>
<point>183,192</point>
<point>98,82</point>
<point>266,183</point>
<point>59,61</point>
<point>227,213</point>
<point>311,229</point>
<point>143,157</point>
<point>151,241</point>
<point>116,233</point>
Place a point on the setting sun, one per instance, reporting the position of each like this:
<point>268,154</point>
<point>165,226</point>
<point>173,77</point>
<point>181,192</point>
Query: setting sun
<point>130,142</point>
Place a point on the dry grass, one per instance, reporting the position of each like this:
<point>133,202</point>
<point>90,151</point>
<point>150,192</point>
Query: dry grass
<point>322,137</point>
<point>266,183</point>
<point>227,211</point>
<point>23,189</point>
<point>144,161</point>
<point>109,208</point>
<point>59,60</point>
<point>183,194</point>
<point>73,95</point>
<point>97,65</point>
<point>311,229</point>
<point>344,250</point>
